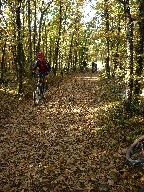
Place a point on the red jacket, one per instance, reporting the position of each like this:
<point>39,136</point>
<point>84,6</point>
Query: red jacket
<point>43,66</point>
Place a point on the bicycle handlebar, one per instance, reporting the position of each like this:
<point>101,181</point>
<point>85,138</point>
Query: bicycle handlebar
<point>40,74</point>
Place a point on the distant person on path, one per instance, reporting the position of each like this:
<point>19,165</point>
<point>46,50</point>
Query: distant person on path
<point>43,65</point>
<point>84,65</point>
<point>94,67</point>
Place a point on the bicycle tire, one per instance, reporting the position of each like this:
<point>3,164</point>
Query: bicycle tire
<point>44,91</point>
<point>36,96</point>
<point>130,154</point>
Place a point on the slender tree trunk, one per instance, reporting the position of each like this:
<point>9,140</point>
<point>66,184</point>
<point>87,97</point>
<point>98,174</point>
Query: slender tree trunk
<point>35,27</point>
<point>140,51</point>
<point>39,33</point>
<point>107,65</point>
<point>116,55</point>
<point>58,40</point>
<point>129,46</point>
<point>50,51</point>
<point>70,52</point>
<point>129,73</point>
<point>75,54</point>
<point>46,42</point>
<point>29,36</point>
<point>19,47</point>
<point>2,62</point>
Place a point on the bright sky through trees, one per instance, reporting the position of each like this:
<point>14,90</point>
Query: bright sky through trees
<point>88,10</point>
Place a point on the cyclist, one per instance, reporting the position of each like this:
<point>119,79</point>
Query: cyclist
<point>94,67</point>
<point>84,64</point>
<point>43,65</point>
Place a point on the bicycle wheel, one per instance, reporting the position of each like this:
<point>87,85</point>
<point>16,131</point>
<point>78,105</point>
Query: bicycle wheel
<point>135,153</point>
<point>36,96</point>
<point>44,90</point>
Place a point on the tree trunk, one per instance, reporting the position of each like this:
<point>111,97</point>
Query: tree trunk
<point>2,62</point>
<point>107,66</point>
<point>19,48</point>
<point>70,52</point>
<point>29,37</point>
<point>140,51</point>
<point>75,54</point>
<point>39,34</point>
<point>35,27</point>
<point>116,54</point>
<point>58,40</point>
<point>46,42</point>
<point>129,72</point>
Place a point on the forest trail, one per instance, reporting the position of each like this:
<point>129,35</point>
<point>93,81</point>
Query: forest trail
<point>62,145</point>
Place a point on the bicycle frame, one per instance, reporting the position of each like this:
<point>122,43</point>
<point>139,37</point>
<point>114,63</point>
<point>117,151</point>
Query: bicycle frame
<point>40,80</point>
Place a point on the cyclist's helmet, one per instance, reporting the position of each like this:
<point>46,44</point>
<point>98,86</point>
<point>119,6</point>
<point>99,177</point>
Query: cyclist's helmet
<point>40,54</point>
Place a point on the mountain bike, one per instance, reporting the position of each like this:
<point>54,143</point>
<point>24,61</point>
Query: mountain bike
<point>40,88</point>
<point>135,153</point>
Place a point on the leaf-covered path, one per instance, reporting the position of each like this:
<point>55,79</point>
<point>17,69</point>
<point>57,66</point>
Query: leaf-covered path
<point>63,144</point>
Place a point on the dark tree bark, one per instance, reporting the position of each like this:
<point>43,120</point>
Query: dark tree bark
<point>129,70</point>
<point>45,40</point>
<point>29,37</point>
<point>70,53</point>
<point>107,66</point>
<point>116,54</point>
<point>3,62</point>
<point>58,39</point>
<point>35,27</point>
<point>75,54</point>
<point>19,47</point>
<point>50,50</point>
<point>139,51</point>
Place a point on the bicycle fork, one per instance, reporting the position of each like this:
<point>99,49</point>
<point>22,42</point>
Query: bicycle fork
<point>38,89</point>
